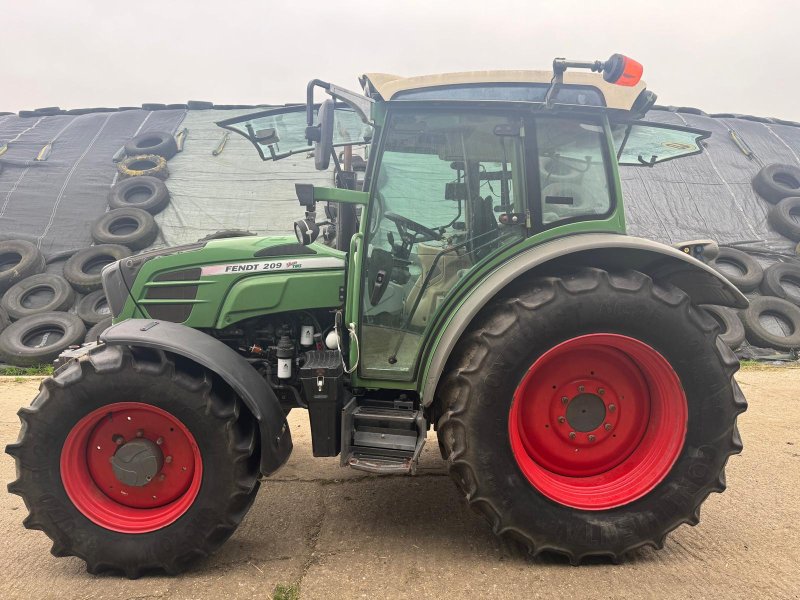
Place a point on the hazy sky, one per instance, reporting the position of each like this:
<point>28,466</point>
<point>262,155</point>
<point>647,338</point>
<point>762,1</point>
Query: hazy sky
<point>716,55</point>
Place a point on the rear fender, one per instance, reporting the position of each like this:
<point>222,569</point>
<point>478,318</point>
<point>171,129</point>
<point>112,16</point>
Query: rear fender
<point>258,397</point>
<point>662,263</point>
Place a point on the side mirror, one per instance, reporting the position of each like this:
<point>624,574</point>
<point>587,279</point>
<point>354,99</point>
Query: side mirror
<point>324,145</point>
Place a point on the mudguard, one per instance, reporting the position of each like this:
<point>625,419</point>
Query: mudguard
<point>663,263</point>
<point>276,439</point>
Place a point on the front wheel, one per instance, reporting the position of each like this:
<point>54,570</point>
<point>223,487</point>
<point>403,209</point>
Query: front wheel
<point>135,463</point>
<point>590,414</point>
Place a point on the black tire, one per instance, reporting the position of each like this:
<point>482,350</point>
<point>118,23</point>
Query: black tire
<point>133,228</point>
<point>776,277</point>
<point>146,193</point>
<point>760,336</point>
<point>781,217</point>
<point>93,308</point>
<point>30,341</point>
<point>93,335</point>
<point>510,334</point>
<point>750,272</point>
<point>226,438</point>
<point>776,182</point>
<point>160,143</point>
<point>226,233</point>
<point>142,166</point>
<point>18,259</point>
<point>83,268</point>
<point>731,328</point>
<point>16,300</point>
<point>4,320</point>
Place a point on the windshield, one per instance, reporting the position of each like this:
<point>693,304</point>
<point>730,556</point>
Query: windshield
<point>281,132</point>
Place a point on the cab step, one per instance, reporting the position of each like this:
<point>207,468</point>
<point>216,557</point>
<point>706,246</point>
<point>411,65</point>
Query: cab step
<point>382,436</point>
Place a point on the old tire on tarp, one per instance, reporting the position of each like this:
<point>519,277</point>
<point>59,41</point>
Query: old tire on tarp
<point>145,192</point>
<point>731,329</point>
<point>133,228</point>
<point>93,308</point>
<point>776,182</point>
<point>16,299</point>
<point>143,165</point>
<point>751,272</point>
<point>777,276</point>
<point>18,259</point>
<point>4,320</point>
<point>39,339</point>
<point>760,336</point>
<point>781,217</point>
<point>160,143</point>
<point>83,268</point>
<point>93,335</point>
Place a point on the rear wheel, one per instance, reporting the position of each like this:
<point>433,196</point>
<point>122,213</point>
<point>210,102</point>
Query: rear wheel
<point>135,463</point>
<point>590,414</point>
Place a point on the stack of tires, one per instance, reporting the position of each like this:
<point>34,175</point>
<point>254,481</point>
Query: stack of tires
<point>773,318</point>
<point>42,314</point>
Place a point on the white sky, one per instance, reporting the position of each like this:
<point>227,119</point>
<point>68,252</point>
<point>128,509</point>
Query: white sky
<point>716,55</point>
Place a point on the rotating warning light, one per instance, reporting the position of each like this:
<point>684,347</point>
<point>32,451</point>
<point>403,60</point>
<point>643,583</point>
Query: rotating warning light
<point>622,70</point>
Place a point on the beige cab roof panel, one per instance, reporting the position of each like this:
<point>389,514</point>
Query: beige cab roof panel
<point>616,96</point>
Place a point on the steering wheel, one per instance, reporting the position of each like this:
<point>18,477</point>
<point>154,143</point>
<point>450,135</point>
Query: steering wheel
<point>411,230</point>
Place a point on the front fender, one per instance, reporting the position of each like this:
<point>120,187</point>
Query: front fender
<point>276,439</point>
<point>663,263</point>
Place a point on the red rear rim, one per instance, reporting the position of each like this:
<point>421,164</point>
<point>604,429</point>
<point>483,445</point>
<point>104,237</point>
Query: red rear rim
<point>95,490</point>
<point>598,421</point>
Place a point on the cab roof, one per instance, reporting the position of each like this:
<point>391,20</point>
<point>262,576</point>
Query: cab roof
<point>617,97</point>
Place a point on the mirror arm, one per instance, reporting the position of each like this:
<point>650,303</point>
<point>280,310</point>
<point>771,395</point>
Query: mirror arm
<point>310,99</point>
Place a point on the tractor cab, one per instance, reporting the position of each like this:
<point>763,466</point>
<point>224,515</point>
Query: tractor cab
<point>459,170</point>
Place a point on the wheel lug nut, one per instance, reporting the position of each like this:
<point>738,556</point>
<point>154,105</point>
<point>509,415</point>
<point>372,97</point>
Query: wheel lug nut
<point>140,433</point>
<point>572,435</point>
<point>561,419</point>
<point>601,391</point>
<point>160,441</point>
<point>162,477</point>
<point>607,426</point>
<point>612,407</point>
<point>118,440</point>
<point>564,399</point>
<point>167,459</point>
<point>591,438</point>
<point>581,388</point>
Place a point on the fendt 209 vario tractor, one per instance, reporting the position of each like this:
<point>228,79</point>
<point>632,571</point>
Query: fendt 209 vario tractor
<point>473,276</point>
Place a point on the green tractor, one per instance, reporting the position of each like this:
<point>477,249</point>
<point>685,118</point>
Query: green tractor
<point>473,275</point>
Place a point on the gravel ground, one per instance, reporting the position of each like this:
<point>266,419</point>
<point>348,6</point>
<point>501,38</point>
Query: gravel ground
<point>338,533</point>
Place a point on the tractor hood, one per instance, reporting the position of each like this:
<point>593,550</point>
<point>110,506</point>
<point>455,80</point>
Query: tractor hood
<point>214,284</point>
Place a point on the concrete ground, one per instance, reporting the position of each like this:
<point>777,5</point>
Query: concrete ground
<point>338,533</point>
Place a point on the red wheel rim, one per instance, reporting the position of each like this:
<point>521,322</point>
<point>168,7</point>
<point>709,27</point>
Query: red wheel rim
<point>95,490</point>
<point>598,421</point>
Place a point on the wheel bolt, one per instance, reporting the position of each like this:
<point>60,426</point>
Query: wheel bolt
<point>581,388</point>
<point>160,441</point>
<point>140,433</point>
<point>148,478</point>
<point>591,438</point>
<point>162,477</point>
<point>561,419</point>
<point>118,440</point>
<point>564,399</point>
<point>167,459</point>
<point>572,435</point>
<point>607,426</point>
<point>601,391</point>
<point>612,407</point>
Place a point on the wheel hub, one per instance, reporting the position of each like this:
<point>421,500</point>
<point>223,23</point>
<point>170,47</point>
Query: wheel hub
<point>586,412</point>
<point>598,421</point>
<point>137,462</point>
